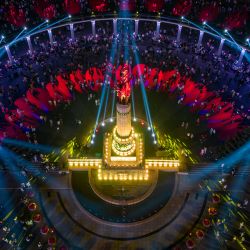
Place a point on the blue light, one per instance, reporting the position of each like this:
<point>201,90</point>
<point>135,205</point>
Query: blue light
<point>113,104</point>
<point>133,100</point>
<point>31,146</point>
<point>106,103</point>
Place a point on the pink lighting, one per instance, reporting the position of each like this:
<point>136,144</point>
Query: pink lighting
<point>98,5</point>
<point>154,5</point>
<point>16,16</point>
<point>45,9</point>
<point>182,7</point>
<point>209,13</point>
<point>72,6</point>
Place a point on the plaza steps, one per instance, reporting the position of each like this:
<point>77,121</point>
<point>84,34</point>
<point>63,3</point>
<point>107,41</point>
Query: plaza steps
<point>213,169</point>
<point>57,218</point>
<point>204,169</point>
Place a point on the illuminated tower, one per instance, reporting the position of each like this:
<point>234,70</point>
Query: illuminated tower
<point>124,143</point>
<point>123,108</point>
<point>123,156</point>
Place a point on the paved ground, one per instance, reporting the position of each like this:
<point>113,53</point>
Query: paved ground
<point>171,226</point>
<point>84,231</point>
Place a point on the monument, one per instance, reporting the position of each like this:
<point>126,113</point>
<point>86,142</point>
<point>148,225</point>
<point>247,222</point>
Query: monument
<point>123,164</point>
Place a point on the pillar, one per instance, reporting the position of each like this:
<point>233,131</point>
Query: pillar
<point>158,28</point>
<point>9,53</point>
<point>242,53</point>
<point>115,26</point>
<point>136,27</point>
<point>29,43</point>
<point>50,36</point>
<point>200,38</point>
<point>72,34</point>
<point>93,27</point>
<point>123,119</point>
<point>179,34</point>
<point>220,47</point>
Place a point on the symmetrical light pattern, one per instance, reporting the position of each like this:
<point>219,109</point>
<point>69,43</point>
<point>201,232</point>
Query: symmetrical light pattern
<point>84,164</point>
<point>111,175</point>
<point>170,165</point>
<point>114,157</point>
<point>123,148</point>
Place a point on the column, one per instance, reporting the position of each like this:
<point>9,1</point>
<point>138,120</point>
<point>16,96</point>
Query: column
<point>9,53</point>
<point>200,38</point>
<point>242,53</point>
<point>93,27</point>
<point>50,36</point>
<point>158,28</point>
<point>29,43</point>
<point>136,27</point>
<point>221,45</point>
<point>179,34</point>
<point>115,26</point>
<point>72,34</point>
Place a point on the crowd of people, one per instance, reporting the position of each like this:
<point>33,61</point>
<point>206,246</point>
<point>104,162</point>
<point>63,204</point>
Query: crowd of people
<point>32,70</point>
<point>230,13</point>
<point>201,65</point>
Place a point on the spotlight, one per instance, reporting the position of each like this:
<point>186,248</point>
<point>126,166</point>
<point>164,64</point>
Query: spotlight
<point>25,28</point>
<point>225,30</point>
<point>2,36</point>
<point>134,119</point>
<point>69,16</point>
<point>149,128</point>
<point>92,141</point>
<point>93,135</point>
<point>103,124</point>
<point>155,141</point>
<point>111,119</point>
<point>182,17</point>
<point>247,40</point>
<point>204,23</point>
<point>153,135</point>
<point>47,20</point>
